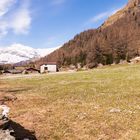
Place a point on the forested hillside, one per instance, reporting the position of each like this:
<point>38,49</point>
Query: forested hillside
<point>117,39</point>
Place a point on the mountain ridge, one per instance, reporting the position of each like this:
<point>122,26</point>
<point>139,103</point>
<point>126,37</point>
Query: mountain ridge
<point>117,39</point>
<point>17,53</point>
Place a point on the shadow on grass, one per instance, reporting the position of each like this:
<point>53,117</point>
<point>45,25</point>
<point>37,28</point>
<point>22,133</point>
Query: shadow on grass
<point>14,90</point>
<point>18,90</point>
<point>20,133</point>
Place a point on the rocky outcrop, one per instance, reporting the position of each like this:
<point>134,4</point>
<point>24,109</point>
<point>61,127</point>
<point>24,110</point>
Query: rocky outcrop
<point>6,131</point>
<point>6,135</point>
<point>116,40</point>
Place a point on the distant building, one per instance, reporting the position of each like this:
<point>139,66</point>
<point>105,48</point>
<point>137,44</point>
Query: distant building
<point>13,71</point>
<point>30,71</point>
<point>49,67</point>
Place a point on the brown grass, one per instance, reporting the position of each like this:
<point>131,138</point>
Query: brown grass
<point>77,106</point>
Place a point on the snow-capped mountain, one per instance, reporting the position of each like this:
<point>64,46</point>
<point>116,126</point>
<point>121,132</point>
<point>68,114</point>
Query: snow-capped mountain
<point>18,52</point>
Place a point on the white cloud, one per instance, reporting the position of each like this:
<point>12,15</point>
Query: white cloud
<point>19,18</point>
<point>102,16</point>
<point>99,17</point>
<point>5,5</point>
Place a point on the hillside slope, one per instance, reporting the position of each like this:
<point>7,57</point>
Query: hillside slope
<point>117,39</point>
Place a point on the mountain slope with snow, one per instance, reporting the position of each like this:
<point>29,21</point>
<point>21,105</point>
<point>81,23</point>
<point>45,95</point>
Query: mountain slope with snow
<point>17,53</point>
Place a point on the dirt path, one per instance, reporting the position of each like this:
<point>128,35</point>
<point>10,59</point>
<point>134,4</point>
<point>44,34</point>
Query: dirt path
<point>18,76</point>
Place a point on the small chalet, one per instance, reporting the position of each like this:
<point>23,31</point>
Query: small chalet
<point>48,67</point>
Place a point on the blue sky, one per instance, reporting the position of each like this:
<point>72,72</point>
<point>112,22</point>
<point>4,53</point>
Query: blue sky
<point>51,23</point>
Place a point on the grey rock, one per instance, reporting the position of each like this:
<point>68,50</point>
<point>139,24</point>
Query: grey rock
<point>5,135</point>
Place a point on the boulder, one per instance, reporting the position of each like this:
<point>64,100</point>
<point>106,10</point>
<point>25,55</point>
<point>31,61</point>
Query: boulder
<point>5,130</point>
<point>6,135</point>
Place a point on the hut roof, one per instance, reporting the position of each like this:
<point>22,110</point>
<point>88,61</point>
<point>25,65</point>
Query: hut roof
<point>32,69</point>
<point>13,71</point>
<point>50,63</point>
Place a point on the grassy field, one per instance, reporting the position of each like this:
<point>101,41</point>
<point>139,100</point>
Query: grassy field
<point>101,104</point>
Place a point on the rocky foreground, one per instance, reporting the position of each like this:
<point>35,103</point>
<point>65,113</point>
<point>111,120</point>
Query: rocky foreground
<point>10,130</point>
<point>6,131</point>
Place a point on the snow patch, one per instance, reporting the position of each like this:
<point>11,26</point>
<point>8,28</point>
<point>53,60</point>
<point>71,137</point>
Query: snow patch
<point>18,52</point>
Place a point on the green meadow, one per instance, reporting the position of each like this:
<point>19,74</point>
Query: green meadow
<point>99,104</point>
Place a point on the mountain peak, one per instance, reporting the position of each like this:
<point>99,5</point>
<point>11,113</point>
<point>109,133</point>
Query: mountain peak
<point>19,47</point>
<point>17,52</point>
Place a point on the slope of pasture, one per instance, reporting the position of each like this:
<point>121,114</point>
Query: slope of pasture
<point>99,104</point>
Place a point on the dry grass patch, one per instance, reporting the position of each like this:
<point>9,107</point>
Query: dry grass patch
<point>77,106</point>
